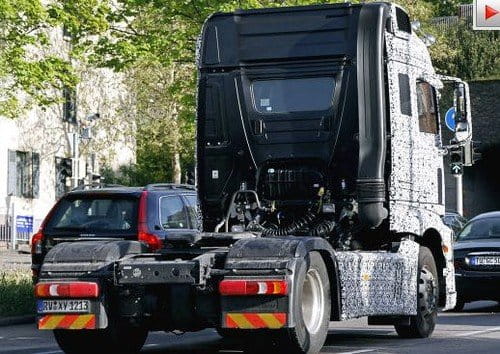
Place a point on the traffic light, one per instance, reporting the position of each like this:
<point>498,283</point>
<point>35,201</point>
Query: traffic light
<point>456,160</point>
<point>457,155</point>
<point>471,154</point>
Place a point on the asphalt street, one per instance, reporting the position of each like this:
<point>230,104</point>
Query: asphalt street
<point>475,330</point>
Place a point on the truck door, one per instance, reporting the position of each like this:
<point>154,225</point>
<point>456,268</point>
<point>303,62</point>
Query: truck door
<point>416,180</point>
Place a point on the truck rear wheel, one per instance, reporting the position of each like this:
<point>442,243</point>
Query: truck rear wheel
<point>422,325</point>
<point>116,339</point>
<point>311,311</point>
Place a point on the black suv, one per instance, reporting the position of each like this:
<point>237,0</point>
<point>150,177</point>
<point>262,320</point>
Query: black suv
<point>153,214</point>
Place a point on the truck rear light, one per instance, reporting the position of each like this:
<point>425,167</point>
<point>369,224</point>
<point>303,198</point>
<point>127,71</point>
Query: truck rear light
<point>253,287</point>
<point>151,240</point>
<point>71,289</point>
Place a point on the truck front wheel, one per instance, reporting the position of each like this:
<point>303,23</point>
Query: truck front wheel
<point>115,339</point>
<point>422,325</point>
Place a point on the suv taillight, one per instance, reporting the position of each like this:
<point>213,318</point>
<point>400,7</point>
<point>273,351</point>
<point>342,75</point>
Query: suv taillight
<point>36,243</point>
<point>151,240</point>
<point>37,239</point>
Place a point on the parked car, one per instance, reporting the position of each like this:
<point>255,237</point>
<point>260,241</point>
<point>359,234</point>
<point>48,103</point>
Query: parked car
<point>455,221</point>
<point>477,260</point>
<point>152,214</point>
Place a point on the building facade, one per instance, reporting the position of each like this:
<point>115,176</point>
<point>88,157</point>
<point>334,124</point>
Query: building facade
<point>50,150</point>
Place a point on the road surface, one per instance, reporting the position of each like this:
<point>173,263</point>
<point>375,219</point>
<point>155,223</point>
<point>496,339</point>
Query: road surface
<point>475,330</point>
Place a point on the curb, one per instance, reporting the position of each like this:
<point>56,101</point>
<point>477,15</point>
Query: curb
<point>16,320</point>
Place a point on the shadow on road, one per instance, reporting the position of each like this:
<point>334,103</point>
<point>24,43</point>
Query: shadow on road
<point>490,307</point>
<point>479,313</point>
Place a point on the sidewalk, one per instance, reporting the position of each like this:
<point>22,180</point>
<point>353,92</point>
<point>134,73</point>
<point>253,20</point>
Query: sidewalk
<point>13,260</point>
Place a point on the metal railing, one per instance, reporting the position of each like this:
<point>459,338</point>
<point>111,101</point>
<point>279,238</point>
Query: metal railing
<point>466,10</point>
<point>445,22</point>
<point>465,13</point>
<point>5,233</point>
<point>13,238</point>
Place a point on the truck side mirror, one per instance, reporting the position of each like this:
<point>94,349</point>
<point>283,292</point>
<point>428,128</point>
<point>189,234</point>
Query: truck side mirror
<point>460,104</point>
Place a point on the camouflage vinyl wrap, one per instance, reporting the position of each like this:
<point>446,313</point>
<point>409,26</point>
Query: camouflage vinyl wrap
<point>379,283</point>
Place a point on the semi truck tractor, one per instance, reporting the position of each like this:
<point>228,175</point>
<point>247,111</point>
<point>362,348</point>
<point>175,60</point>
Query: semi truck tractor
<point>321,189</point>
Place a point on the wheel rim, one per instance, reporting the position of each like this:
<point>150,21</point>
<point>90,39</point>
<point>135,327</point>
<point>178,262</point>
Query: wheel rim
<point>313,302</point>
<point>427,293</point>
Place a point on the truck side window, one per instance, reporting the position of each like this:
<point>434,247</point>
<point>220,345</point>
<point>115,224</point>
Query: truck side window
<point>404,94</point>
<point>427,113</point>
<point>172,213</point>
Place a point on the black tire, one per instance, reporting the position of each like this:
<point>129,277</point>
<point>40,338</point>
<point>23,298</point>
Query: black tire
<point>422,325</point>
<point>303,339</point>
<point>115,339</point>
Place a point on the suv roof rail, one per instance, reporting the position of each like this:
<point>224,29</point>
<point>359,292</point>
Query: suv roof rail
<point>96,186</point>
<point>169,186</point>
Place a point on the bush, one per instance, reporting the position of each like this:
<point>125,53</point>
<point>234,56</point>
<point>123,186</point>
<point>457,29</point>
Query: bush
<point>16,292</point>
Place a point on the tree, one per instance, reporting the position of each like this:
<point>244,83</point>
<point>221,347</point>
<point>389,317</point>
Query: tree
<point>153,42</point>
<point>32,69</point>
<point>467,54</point>
<point>22,35</point>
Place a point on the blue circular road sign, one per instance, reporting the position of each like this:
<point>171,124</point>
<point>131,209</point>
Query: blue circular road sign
<point>449,119</point>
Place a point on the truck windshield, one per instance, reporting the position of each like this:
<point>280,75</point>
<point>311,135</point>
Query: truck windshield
<point>481,229</point>
<point>95,215</point>
<point>293,95</point>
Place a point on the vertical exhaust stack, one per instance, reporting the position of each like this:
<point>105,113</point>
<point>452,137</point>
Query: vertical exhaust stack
<point>372,119</point>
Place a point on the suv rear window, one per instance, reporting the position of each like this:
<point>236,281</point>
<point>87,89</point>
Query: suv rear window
<point>95,215</point>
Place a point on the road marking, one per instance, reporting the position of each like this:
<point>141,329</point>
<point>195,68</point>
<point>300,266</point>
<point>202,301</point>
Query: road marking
<point>359,351</point>
<point>52,352</point>
<point>473,333</point>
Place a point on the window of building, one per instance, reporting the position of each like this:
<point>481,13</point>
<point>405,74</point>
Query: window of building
<point>23,174</point>
<point>427,113</point>
<point>172,213</point>
<point>69,105</point>
<point>404,94</point>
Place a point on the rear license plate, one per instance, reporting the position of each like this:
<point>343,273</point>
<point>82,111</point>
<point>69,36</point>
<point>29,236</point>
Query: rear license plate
<point>486,261</point>
<point>63,306</point>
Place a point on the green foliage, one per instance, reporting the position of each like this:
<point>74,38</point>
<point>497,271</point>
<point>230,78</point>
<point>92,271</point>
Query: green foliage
<point>447,7</point>
<point>467,54</point>
<point>16,292</point>
<point>32,68</point>
<point>153,42</point>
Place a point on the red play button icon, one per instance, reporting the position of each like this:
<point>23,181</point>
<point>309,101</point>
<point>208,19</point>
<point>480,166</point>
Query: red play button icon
<point>486,15</point>
<point>489,12</point>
